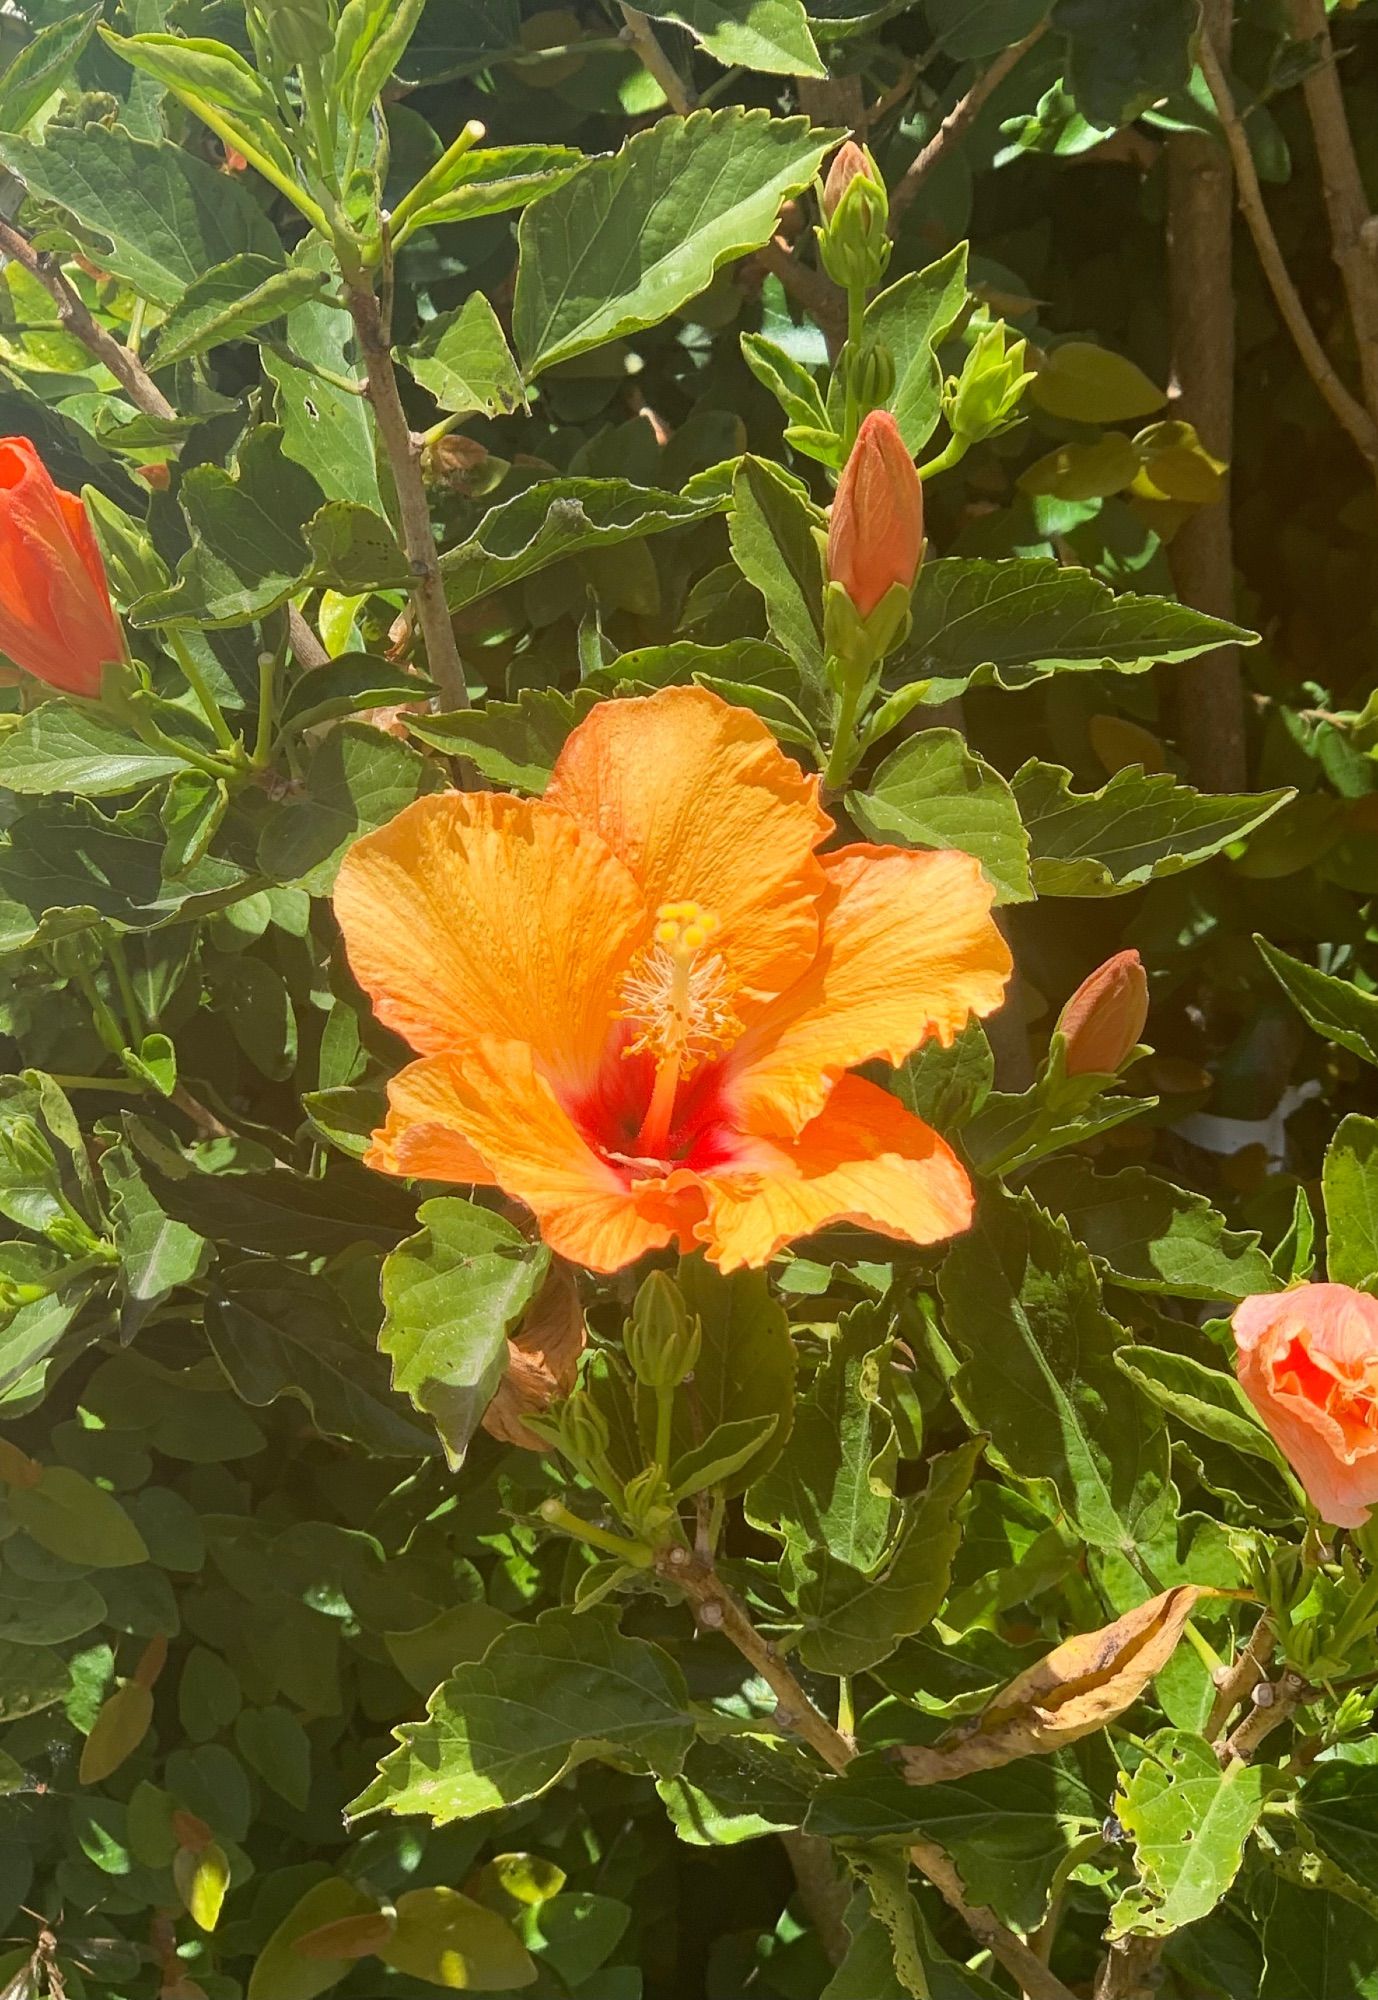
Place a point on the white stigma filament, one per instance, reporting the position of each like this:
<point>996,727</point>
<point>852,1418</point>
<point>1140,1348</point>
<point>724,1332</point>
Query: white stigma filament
<point>678,996</point>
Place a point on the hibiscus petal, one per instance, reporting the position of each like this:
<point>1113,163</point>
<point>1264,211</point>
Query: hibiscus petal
<point>698,800</point>
<point>909,952</point>
<point>477,914</point>
<point>864,1159</point>
<point>494,1099</point>
<point>420,1138</point>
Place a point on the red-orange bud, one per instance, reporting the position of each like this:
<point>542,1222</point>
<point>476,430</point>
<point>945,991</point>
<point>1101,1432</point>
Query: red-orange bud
<point>847,162</point>
<point>55,616</point>
<point>875,535</point>
<point>1102,1022</point>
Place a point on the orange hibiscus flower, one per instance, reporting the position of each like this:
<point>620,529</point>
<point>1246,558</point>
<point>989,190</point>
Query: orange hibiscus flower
<point>636,1000</point>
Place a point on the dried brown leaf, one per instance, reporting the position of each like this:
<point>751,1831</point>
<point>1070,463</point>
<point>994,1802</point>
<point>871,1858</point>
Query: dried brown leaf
<point>542,1361</point>
<point>1076,1689</point>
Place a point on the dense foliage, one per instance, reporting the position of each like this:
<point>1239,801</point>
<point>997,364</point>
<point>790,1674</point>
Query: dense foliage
<point>403,1583</point>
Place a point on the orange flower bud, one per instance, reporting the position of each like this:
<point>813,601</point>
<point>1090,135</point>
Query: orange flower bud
<point>1308,1362</point>
<point>234,161</point>
<point>1104,1018</point>
<point>875,535</point>
<point>55,616</point>
<point>847,162</point>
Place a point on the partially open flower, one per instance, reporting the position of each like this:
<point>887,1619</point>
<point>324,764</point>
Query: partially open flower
<point>1308,1362</point>
<point>875,534</point>
<point>1102,1022</point>
<point>56,620</point>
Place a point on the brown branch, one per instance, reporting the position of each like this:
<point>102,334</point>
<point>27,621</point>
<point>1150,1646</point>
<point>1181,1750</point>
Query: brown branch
<point>1273,1704</point>
<point>1346,202</point>
<point>1238,1681</point>
<point>809,287</point>
<point>72,311</point>
<point>679,95</point>
<point>958,119</point>
<point>717,1610</point>
<point>824,1889</point>
<point>125,365</point>
<point>1348,411</point>
<point>371,315</point>
<point>1200,200</point>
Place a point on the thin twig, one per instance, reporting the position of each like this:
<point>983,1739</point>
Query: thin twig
<point>717,1610</point>
<point>957,121</point>
<point>1346,202</point>
<point>679,95</point>
<point>140,387</point>
<point>1283,1696</point>
<point>809,287</point>
<point>122,362</point>
<point>1349,412</point>
<point>371,315</point>
<point>1238,1681</point>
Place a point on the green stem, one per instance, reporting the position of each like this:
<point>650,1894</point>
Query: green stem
<point>196,681</point>
<point>842,757</point>
<point>433,178</point>
<point>232,135</point>
<point>556,1515</point>
<point>846,1707</point>
<point>268,664</point>
<point>107,1027</point>
<point>952,453</point>
<point>856,325</point>
<point>129,999</point>
<point>665,1411</point>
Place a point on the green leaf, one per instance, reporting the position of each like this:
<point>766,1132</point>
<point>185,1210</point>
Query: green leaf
<point>489,180</point>
<point>689,194</point>
<point>771,528</point>
<point>911,319</point>
<point>277,1333</point>
<point>152,214</point>
<point>1036,1371</point>
<point>247,553</point>
<point>1086,384</point>
<point>156,1253</point>
<point>1124,55</point>
<point>42,66</point>
<point>787,379</point>
<point>229,301</point>
<point>354,550</point>
<point>723,1452</point>
<point>575,1932</point>
<point>284,1214</point>
<point>1189,1820</point>
<point>59,747</point>
<point>946,1086</point>
<point>1133,830</point>
<point>1006,1830</point>
<point>216,83</point>
<point>852,1621</point>
<point>1350,1186</point>
<point>451,1294</point>
<point>769,35</point>
<point>1010,623</point>
<point>357,780</point>
<point>736,1790</point>
<point>1322,1946</point>
<point>371,41</point>
<point>42,1614</point>
<point>512,743</point>
<point>545,1697</point>
<point>746,1362</point>
<point>1341,1012</point>
<point>558,518</point>
<point>283,1973</point>
<point>272,1742</point>
<point>831,1488</point>
<point>1338,1805</point>
<point>72,1517</point>
<point>1206,1399</point>
<point>1152,1235</point>
<point>466,363</point>
<point>353,682</point>
<point>447,1939</point>
<point>934,792</point>
<point>325,429</point>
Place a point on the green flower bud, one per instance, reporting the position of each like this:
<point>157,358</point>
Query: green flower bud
<point>584,1435</point>
<point>869,375</point>
<point>854,242</point>
<point>28,1152</point>
<point>646,1502</point>
<point>662,1340</point>
<point>984,399</point>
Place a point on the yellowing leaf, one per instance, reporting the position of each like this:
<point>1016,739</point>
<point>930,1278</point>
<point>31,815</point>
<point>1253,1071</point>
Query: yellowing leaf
<point>284,1972</point>
<point>449,1940</point>
<point>1119,743</point>
<point>1090,385</point>
<point>202,1877</point>
<point>1175,465</point>
<point>348,1937</point>
<point>1083,471</point>
<point>117,1732</point>
<point>72,1517</point>
<point>1076,1689</point>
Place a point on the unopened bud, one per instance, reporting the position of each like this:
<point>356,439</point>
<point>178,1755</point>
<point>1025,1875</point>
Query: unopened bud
<point>875,533</point>
<point>984,400</point>
<point>847,162</point>
<point>662,1340</point>
<point>854,241</point>
<point>1102,1022</point>
<point>27,1151</point>
<point>584,1434</point>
